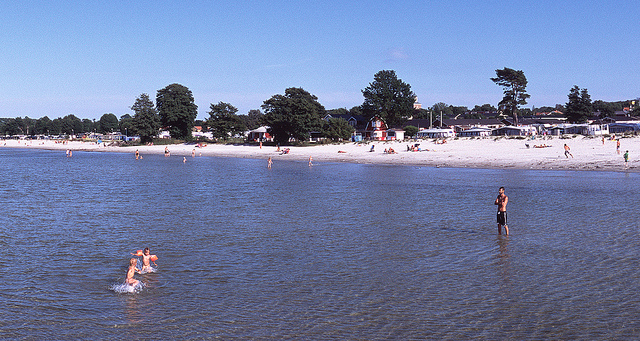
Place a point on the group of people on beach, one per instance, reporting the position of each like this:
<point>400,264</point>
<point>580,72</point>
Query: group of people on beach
<point>147,259</point>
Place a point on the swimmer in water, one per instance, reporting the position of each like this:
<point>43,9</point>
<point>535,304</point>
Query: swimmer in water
<point>131,271</point>
<point>146,257</point>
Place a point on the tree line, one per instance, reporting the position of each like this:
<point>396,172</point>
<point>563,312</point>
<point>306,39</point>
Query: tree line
<point>297,113</point>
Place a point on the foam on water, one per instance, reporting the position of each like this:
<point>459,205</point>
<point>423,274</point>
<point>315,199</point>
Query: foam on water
<point>148,271</point>
<point>124,288</point>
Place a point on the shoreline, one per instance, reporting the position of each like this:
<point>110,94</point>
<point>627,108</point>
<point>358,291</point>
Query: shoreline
<point>589,153</point>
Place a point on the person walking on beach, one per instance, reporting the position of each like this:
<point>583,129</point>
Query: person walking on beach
<point>626,159</point>
<point>502,201</point>
<point>567,151</point>
<point>618,146</point>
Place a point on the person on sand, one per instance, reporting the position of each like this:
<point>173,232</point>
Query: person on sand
<point>618,146</point>
<point>131,271</point>
<point>567,151</point>
<point>166,152</point>
<point>502,201</point>
<point>626,159</point>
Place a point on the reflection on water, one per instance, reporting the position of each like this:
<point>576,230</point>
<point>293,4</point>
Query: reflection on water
<point>333,251</point>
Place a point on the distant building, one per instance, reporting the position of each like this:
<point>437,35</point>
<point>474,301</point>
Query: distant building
<point>416,104</point>
<point>376,129</point>
<point>436,133</point>
<point>259,134</point>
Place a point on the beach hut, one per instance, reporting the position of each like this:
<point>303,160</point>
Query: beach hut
<point>514,131</point>
<point>259,134</point>
<point>617,128</point>
<point>475,132</point>
<point>376,129</point>
<point>395,134</point>
<point>436,133</point>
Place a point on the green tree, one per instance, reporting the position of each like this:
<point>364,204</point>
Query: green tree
<point>514,84</point>
<point>579,107</point>
<point>108,123</point>
<point>356,111</point>
<point>70,125</point>
<point>56,126</point>
<point>43,125</point>
<point>337,129</point>
<point>605,109</point>
<point>88,125</point>
<point>223,120</point>
<point>253,119</point>
<point>177,110</point>
<point>484,108</point>
<point>13,126</point>
<point>146,121</point>
<point>125,124</point>
<point>443,109</point>
<point>635,104</point>
<point>292,115</point>
<point>410,131</point>
<point>389,98</point>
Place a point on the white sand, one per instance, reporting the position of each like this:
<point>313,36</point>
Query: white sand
<point>589,153</point>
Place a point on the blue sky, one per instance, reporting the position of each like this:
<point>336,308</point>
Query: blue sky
<point>90,58</point>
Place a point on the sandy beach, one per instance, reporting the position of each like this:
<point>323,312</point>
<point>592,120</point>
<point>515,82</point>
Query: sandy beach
<point>588,153</point>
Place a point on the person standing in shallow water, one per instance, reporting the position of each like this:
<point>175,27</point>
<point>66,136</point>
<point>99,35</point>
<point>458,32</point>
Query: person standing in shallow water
<point>501,216</point>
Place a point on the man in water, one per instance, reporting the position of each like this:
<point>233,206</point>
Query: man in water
<point>502,201</point>
<point>131,271</point>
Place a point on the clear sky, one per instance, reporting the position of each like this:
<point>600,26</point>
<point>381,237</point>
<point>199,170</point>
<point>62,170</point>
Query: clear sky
<point>89,58</point>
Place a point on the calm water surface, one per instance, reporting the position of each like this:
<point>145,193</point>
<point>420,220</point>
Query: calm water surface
<point>336,251</point>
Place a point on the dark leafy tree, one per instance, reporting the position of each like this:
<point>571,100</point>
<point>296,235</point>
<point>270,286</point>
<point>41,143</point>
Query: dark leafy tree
<point>514,84</point>
<point>177,110</point>
<point>292,115</point>
<point>223,121</point>
<point>443,109</point>
<point>356,111</point>
<point>605,109</point>
<point>13,126</point>
<point>337,129</point>
<point>108,123</point>
<point>56,126</point>
<point>43,125</point>
<point>389,98</point>
<point>487,108</point>
<point>146,121</point>
<point>410,131</point>
<point>125,124</point>
<point>339,111</point>
<point>70,125</point>
<point>88,125</point>
<point>253,119</point>
<point>579,107</point>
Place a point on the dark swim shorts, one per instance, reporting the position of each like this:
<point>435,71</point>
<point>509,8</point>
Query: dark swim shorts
<point>502,218</point>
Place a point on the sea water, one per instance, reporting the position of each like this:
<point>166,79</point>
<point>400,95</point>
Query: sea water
<point>333,251</point>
